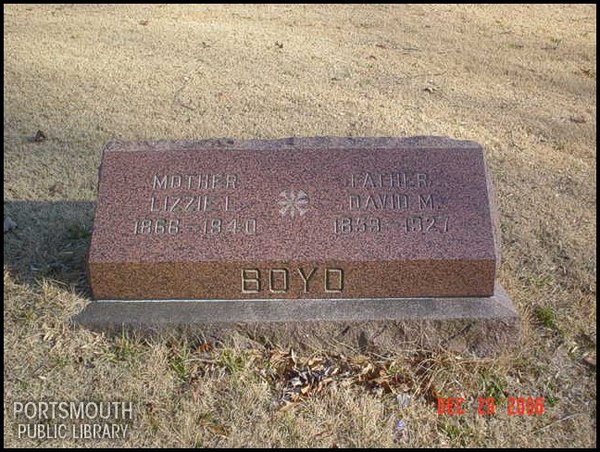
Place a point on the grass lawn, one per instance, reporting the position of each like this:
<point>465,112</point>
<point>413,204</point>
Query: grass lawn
<point>518,79</point>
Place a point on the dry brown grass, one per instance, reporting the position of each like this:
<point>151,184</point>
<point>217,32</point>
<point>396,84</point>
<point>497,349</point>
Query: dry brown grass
<point>519,79</point>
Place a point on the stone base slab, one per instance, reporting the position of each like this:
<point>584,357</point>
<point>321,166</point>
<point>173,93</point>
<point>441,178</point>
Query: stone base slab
<point>480,325</point>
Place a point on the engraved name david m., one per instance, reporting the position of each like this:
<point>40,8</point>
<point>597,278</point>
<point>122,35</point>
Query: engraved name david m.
<point>281,280</point>
<point>392,201</point>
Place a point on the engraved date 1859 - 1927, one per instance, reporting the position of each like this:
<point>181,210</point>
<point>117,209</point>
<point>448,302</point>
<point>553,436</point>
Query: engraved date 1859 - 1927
<point>415,223</point>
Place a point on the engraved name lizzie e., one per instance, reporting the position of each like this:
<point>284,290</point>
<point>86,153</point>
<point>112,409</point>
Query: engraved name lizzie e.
<point>206,196</point>
<point>192,202</point>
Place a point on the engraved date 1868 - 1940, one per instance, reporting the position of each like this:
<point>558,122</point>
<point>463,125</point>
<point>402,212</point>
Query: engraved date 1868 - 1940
<point>211,226</point>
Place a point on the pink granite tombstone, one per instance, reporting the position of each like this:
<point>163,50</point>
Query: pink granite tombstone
<point>298,219</point>
<point>298,229</point>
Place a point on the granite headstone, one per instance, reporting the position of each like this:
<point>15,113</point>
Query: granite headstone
<point>294,230</point>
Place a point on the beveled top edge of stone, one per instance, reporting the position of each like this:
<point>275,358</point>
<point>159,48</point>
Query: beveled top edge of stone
<point>324,142</point>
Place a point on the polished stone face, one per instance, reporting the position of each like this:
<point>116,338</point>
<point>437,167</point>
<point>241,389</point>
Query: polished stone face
<point>294,218</point>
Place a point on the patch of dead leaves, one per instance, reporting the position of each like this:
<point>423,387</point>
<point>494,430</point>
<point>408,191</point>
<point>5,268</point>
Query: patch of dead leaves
<point>298,378</point>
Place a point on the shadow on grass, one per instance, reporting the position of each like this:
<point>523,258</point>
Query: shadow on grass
<point>50,241</point>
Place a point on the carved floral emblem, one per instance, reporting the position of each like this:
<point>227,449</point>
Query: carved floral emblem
<point>293,202</point>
